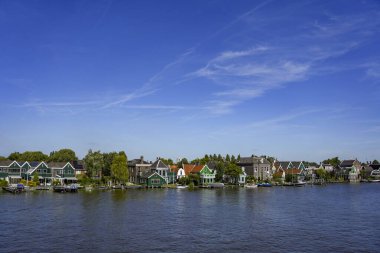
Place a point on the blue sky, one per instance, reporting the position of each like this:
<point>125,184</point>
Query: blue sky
<point>298,80</point>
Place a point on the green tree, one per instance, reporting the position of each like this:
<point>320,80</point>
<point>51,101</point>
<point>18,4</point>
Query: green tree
<point>233,159</point>
<point>108,159</point>
<point>37,156</point>
<point>233,171</point>
<point>321,173</point>
<point>63,155</point>
<point>228,159</point>
<point>14,156</point>
<point>333,161</point>
<point>36,178</point>
<point>182,161</point>
<point>375,162</point>
<point>94,163</point>
<point>219,167</point>
<point>119,170</point>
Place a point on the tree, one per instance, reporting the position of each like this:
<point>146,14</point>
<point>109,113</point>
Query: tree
<point>108,159</point>
<point>375,162</point>
<point>233,171</point>
<point>36,178</point>
<point>182,161</point>
<point>2,158</point>
<point>37,156</point>
<point>333,161</point>
<point>63,155</point>
<point>219,167</point>
<point>321,173</point>
<point>233,159</point>
<point>228,159</point>
<point>94,163</point>
<point>14,156</point>
<point>119,170</point>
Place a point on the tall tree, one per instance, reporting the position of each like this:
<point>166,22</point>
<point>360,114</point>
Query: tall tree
<point>37,156</point>
<point>233,171</point>
<point>14,156</point>
<point>375,162</point>
<point>119,170</point>
<point>333,161</point>
<point>2,158</point>
<point>63,155</point>
<point>108,159</point>
<point>228,159</point>
<point>94,163</point>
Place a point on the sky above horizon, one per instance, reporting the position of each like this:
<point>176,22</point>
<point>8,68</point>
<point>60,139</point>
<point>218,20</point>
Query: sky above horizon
<point>297,80</point>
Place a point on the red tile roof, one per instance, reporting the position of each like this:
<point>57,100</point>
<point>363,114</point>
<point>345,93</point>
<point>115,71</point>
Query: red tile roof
<point>197,168</point>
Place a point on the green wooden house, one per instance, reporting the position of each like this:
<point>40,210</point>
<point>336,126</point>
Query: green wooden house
<point>153,180</point>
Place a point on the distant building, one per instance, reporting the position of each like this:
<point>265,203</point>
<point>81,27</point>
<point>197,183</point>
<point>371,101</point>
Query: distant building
<point>257,167</point>
<point>350,169</point>
<point>136,168</point>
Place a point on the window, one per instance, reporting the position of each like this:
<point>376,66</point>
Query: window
<point>155,181</point>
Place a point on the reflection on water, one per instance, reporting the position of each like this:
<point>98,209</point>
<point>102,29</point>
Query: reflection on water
<point>335,218</point>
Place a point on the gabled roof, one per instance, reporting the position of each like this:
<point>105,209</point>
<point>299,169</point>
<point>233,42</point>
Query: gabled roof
<point>57,164</point>
<point>284,164</point>
<point>34,163</point>
<point>159,165</point>
<point>347,163</point>
<point>133,162</point>
<point>296,164</point>
<point>188,168</point>
<point>149,174</point>
<point>6,163</point>
<point>78,165</point>
<point>367,168</point>
<point>197,168</point>
<point>254,159</point>
<point>293,171</point>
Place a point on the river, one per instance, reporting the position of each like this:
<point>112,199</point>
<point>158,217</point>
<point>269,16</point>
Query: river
<point>333,218</point>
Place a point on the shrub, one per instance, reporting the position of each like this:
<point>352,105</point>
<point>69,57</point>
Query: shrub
<point>3,183</point>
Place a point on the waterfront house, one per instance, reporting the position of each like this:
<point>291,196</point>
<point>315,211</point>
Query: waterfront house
<point>64,172</point>
<point>350,169</point>
<point>137,168</point>
<point>152,179</point>
<point>10,171</point>
<point>295,169</point>
<point>161,168</point>
<point>43,171</point>
<point>257,167</point>
<point>177,171</point>
<point>206,175</point>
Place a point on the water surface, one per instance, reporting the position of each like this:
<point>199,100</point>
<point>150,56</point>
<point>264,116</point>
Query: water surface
<point>333,218</point>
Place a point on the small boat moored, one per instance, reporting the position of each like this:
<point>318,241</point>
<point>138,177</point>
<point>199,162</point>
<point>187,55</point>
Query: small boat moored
<point>250,186</point>
<point>264,185</point>
<point>14,189</point>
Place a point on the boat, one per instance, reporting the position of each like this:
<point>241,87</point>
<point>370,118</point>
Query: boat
<point>264,185</point>
<point>181,186</point>
<point>65,188</point>
<point>14,189</point>
<point>59,188</point>
<point>250,186</point>
<point>215,185</point>
<point>71,188</point>
<point>133,187</point>
<point>374,181</point>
